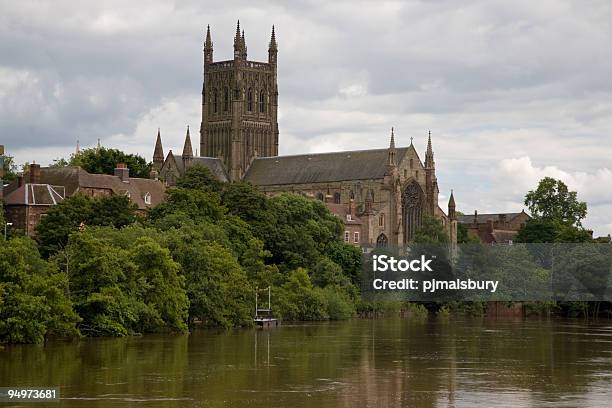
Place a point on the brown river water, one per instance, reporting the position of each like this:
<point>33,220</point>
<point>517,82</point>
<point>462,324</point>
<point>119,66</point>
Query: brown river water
<point>357,363</point>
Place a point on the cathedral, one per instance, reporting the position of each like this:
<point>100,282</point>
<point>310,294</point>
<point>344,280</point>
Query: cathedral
<point>381,195</point>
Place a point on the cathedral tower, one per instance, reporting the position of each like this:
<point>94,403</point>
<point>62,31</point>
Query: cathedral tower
<point>239,106</point>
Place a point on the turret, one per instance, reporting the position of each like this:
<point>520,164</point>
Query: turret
<point>272,49</point>
<point>158,153</point>
<point>208,48</point>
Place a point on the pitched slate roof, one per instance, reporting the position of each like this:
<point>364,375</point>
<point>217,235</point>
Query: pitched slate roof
<point>213,164</point>
<point>483,218</point>
<point>75,178</point>
<point>321,167</point>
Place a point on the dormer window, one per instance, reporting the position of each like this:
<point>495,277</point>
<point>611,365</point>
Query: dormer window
<point>147,198</point>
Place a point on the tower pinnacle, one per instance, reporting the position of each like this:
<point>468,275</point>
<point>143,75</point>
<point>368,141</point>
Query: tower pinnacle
<point>208,47</point>
<point>429,156</point>
<point>158,153</point>
<point>187,149</point>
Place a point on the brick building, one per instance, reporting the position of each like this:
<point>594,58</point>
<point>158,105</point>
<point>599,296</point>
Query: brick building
<point>29,197</point>
<point>499,228</point>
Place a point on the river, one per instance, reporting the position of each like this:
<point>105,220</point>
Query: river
<point>357,363</point>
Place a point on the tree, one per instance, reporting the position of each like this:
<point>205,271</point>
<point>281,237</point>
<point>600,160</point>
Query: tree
<point>198,177</point>
<point>69,215</point>
<point>557,215</point>
<point>119,291</point>
<point>9,167</point>
<point>101,160</point>
<point>552,200</point>
<point>431,231</point>
<point>33,301</point>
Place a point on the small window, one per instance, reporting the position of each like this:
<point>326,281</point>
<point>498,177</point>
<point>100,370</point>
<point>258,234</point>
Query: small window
<point>405,173</point>
<point>337,198</point>
<point>347,236</point>
<point>250,100</point>
<point>215,100</point>
<point>356,237</point>
<point>411,163</point>
<point>147,199</point>
<point>381,220</point>
<point>417,174</point>
<point>225,100</point>
<point>320,196</point>
<point>349,217</point>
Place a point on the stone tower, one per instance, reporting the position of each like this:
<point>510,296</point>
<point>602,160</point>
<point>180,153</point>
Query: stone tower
<point>239,106</point>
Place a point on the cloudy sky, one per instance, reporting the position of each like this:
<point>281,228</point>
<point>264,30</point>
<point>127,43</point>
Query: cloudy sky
<point>511,90</point>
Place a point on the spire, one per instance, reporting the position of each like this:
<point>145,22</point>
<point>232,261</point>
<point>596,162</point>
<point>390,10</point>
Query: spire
<point>244,47</point>
<point>237,42</point>
<point>273,45</point>
<point>187,149</point>
<point>429,156</point>
<point>391,151</point>
<point>272,49</point>
<point>158,153</point>
<point>451,207</point>
<point>208,47</point>
<point>78,148</point>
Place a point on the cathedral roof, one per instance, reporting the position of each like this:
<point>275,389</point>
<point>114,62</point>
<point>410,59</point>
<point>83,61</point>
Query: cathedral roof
<point>321,167</point>
<point>213,164</point>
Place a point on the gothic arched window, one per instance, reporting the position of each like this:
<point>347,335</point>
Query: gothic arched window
<point>262,102</point>
<point>337,198</point>
<point>352,195</point>
<point>250,100</point>
<point>320,196</point>
<point>382,241</point>
<point>225,99</point>
<point>215,100</point>
<point>413,200</point>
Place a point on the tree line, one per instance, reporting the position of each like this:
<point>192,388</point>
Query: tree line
<point>97,268</point>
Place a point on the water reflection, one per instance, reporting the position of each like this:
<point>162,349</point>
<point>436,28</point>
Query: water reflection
<point>361,363</point>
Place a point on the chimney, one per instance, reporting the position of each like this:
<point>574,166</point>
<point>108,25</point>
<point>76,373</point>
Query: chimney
<point>35,173</point>
<point>122,172</point>
<point>475,216</point>
<point>19,181</point>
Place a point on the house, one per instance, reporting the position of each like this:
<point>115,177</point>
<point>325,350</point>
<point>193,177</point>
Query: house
<point>29,198</point>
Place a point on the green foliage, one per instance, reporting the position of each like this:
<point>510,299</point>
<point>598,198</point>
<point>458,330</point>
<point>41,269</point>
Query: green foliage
<point>9,167</point>
<point>33,300</point>
<point>303,230</point>
<point>103,161</point>
<point>297,299</point>
<point>552,200</point>
<point>67,217</point>
<point>431,231</point>
<point>198,177</point>
<point>120,291</point>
